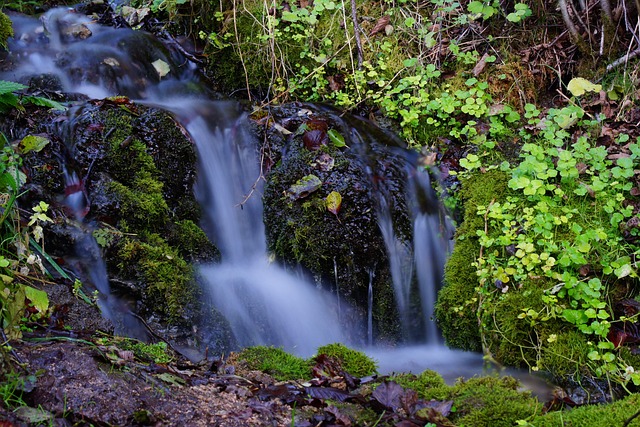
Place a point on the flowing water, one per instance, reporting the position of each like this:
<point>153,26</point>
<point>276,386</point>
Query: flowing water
<point>263,303</point>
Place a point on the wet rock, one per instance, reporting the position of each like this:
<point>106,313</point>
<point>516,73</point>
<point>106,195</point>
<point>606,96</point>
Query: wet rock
<point>122,175</point>
<point>345,248</point>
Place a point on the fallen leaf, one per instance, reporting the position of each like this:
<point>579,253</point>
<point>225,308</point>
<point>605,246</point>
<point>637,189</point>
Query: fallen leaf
<point>314,139</point>
<point>324,162</point>
<point>303,187</point>
<point>341,419</point>
<point>161,67</point>
<point>327,393</point>
<point>336,82</point>
<point>334,202</point>
<point>282,129</point>
<point>336,138</point>
<point>481,65</point>
<point>33,143</point>
<point>579,86</point>
<point>388,394</point>
<point>380,26</point>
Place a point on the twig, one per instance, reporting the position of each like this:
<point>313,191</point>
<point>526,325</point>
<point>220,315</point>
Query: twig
<point>356,32</point>
<point>623,60</point>
<point>567,19</point>
<point>5,340</point>
<point>631,418</point>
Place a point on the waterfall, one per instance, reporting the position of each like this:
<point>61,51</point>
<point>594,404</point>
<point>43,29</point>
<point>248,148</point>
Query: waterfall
<point>370,309</point>
<point>263,303</point>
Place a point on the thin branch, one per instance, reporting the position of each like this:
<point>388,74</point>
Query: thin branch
<point>623,60</point>
<point>567,19</point>
<point>631,418</point>
<point>356,32</point>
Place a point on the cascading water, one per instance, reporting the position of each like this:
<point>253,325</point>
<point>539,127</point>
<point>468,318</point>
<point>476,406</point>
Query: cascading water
<point>263,303</point>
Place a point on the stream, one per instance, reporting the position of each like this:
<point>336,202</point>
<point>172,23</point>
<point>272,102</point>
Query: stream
<point>264,303</point>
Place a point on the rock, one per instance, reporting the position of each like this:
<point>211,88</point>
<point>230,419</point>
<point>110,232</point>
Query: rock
<point>342,250</point>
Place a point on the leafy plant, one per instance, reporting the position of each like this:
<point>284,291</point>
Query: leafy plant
<point>560,229</point>
<point>10,100</point>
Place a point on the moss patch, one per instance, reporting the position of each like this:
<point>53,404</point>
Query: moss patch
<point>275,362</point>
<point>165,277</point>
<point>6,30</point>
<point>613,414</point>
<point>491,401</point>
<point>354,362</point>
<point>457,302</point>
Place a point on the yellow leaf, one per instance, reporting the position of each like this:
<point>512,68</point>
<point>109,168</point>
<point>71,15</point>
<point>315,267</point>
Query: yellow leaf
<point>579,86</point>
<point>334,202</point>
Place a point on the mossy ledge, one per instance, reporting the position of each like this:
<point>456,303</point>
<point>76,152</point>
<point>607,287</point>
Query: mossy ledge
<point>457,300</point>
<point>152,166</point>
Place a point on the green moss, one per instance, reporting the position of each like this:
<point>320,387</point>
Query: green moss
<point>457,303</point>
<point>191,241</point>
<point>478,402</point>
<point>156,352</point>
<point>354,362</point>
<point>429,384</point>
<point>6,30</point>
<point>491,402</point>
<point>613,414</point>
<point>167,278</point>
<point>142,203</point>
<point>275,362</point>
<point>566,355</point>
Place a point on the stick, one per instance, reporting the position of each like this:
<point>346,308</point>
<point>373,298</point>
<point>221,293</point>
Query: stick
<point>623,60</point>
<point>356,32</point>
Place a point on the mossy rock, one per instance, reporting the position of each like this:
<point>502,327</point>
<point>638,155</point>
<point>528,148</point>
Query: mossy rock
<point>138,170</point>
<point>457,304</point>
<point>491,402</point>
<point>619,413</point>
<point>347,246</point>
<point>479,401</point>
<point>352,361</point>
<point>429,384</point>
<point>164,278</point>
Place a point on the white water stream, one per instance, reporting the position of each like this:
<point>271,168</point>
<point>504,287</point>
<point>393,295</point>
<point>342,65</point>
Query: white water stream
<point>263,303</point>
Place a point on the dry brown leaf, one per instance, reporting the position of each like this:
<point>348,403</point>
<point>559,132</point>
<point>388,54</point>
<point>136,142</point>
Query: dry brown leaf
<point>481,65</point>
<point>380,25</point>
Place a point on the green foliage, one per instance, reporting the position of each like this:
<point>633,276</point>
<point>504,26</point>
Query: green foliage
<point>306,54</point>
<point>354,362</point>
<point>17,261</point>
<point>9,100</point>
<point>548,251</point>
<point>276,362</point>
<point>12,386</point>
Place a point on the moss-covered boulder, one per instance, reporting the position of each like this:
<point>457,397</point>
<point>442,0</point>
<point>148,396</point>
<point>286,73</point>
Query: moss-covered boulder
<point>125,174</point>
<point>321,203</point>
